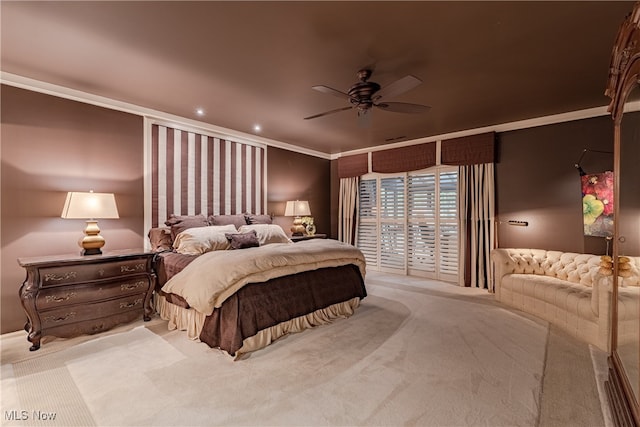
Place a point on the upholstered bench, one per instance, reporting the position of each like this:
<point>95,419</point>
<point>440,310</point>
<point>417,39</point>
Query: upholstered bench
<point>564,288</point>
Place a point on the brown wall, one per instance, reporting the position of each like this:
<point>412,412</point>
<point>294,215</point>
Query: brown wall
<point>295,176</point>
<point>50,146</point>
<point>536,181</point>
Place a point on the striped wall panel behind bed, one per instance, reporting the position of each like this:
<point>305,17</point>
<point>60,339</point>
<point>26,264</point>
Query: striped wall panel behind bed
<point>193,173</point>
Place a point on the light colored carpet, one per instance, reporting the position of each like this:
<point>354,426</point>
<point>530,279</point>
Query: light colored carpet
<point>415,353</point>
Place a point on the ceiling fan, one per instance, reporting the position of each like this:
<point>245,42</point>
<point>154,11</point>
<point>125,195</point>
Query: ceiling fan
<point>365,94</point>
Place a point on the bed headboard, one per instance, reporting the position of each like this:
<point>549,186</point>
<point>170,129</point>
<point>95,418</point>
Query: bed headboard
<point>196,173</point>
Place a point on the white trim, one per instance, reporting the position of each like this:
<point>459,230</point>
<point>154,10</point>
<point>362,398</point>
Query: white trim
<point>264,175</point>
<point>227,178</point>
<point>162,175</point>
<point>248,200</point>
<point>217,203</point>
<point>169,119</point>
<point>237,180</point>
<point>504,127</point>
<point>177,171</point>
<point>191,174</point>
<point>204,189</point>
<point>199,129</point>
<point>147,169</point>
<point>212,130</point>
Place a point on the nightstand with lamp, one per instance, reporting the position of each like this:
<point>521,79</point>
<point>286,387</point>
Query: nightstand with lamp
<point>297,209</point>
<point>303,227</point>
<point>70,295</point>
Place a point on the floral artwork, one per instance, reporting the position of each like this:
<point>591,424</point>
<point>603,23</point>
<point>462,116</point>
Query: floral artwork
<point>597,204</point>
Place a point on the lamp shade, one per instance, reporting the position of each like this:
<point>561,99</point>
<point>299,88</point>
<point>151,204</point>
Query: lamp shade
<point>92,205</point>
<point>297,208</point>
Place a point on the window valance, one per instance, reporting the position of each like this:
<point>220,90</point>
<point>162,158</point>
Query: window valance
<point>350,166</point>
<point>404,159</point>
<point>468,150</point>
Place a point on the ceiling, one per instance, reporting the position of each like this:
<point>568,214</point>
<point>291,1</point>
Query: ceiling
<point>246,63</point>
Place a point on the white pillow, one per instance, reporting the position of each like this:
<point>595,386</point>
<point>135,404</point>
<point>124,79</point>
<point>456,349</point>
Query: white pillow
<point>267,233</point>
<point>198,240</point>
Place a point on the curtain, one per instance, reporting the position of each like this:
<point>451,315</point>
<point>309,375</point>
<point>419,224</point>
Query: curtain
<point>348,209</point>
<point>477,214</point>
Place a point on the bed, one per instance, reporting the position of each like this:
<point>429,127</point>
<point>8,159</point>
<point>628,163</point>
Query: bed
<point>238,283</point>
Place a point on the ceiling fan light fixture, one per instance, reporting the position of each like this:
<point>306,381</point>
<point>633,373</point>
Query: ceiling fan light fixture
<point>364,95</point>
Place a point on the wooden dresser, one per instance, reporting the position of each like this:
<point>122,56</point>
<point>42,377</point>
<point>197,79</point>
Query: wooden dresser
<point>71,295</point>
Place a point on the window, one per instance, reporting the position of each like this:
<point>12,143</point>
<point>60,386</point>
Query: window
<point>367,234</point>
<point>408,223</point>
<point>392,223</point>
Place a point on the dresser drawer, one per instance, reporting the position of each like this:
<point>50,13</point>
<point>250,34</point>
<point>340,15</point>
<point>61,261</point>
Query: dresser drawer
<point>93,326</point>
<point>60,275</point>
<point>68,295</point>
<point>81,312</point>
<point>59,296</point>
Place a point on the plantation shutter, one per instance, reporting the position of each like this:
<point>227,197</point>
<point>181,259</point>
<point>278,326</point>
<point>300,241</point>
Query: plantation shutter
<point>421,194</point>
<point>392,223</point>
<point>367,235</point>
<point>408,223</point>
<point>448,218</point>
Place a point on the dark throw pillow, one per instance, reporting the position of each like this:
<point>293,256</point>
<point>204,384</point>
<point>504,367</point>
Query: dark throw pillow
<point>243,240</point>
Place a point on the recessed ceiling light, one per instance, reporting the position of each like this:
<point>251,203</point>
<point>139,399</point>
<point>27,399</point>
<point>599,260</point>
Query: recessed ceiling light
<point>200,111</point>
<point>257,128</point>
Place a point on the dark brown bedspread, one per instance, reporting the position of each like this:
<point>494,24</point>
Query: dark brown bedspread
<point>259,306</point>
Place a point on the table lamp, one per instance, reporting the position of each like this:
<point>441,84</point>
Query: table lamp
<point>297,209</point>
<point>90,206</point>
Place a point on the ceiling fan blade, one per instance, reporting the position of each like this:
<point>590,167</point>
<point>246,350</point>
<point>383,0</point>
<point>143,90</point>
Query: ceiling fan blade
<point>331,91</point>
<point>398,87</point>
<point>403,107</point>
<point>337,110</point>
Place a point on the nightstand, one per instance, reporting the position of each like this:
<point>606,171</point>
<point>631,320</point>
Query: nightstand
<point>70,295</point>
<point>308,237</point>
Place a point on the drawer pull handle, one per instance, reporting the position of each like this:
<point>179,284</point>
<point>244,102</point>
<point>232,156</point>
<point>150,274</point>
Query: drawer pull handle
<point>56,298</point>
<point>53,277</point>
<point>129,269</point>
<point>130,304</point>
<point>130,286</point>
<point>61,318</point>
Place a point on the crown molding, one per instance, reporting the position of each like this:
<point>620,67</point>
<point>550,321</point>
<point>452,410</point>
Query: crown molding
<point>101,101</point>
<point>504,127</point>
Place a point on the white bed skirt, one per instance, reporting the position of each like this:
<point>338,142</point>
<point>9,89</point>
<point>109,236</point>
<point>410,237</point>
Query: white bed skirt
<point>192,321</point>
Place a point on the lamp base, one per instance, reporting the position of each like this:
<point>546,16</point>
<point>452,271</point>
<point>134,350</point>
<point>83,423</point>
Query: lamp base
<point>91,251</point>
<point>297,229</point>
<point>92,240</point>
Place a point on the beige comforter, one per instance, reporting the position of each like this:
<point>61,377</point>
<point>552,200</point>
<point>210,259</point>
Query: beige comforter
<point>212,277</point>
